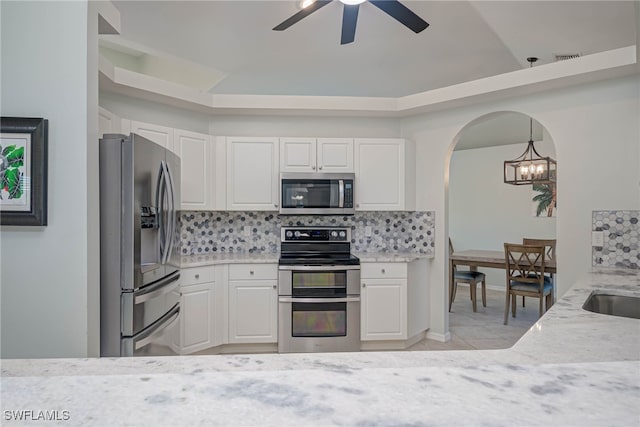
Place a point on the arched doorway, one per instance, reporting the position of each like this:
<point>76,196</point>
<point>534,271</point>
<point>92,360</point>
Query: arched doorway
<point>484,213</point>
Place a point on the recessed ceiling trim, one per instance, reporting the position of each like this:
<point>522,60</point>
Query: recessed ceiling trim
<point>613,63</point>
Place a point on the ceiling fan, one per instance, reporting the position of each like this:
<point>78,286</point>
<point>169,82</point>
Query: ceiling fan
<point>393,8</point>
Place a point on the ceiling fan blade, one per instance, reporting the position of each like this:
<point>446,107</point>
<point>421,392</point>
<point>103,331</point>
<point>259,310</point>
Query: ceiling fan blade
<point>401,13</point>
<point>349,20</point>
<point>302,14</point>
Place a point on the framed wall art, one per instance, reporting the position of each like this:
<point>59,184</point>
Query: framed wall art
<point>23,171</point>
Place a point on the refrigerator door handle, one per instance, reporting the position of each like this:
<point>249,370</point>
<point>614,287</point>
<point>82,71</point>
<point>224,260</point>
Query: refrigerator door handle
<point>172,212</point>
<point>160,214</point>
<point>164,287</point>
<point>161,329</point>
<point>130,344</point>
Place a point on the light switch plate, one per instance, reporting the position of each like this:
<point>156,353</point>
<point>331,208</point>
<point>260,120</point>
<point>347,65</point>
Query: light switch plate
<point>367,231</point>
<point>247,231</point>
<point>597,238</point>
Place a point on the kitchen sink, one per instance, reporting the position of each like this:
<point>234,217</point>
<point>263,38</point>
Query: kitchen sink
<point>614,305</point>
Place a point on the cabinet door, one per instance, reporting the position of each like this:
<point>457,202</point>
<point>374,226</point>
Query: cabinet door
<point>197,156</point>
<point>107,122</point>
<point>253,311</point>
<point>252,173</point>
<point>197,317</point>
<point>379,169</point>
<point>335,154</point>
<point>159,134</point>
<point>384,309</point>
<point>297,154</point>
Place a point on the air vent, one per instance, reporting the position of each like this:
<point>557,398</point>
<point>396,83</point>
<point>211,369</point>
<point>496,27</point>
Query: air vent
<point>565,56</point>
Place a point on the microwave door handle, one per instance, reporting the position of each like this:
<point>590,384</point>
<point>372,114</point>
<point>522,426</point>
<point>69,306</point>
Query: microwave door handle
<point>341,190</point>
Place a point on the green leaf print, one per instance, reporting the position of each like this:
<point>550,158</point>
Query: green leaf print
<point>12,181</point>
<point>16,157</point>
<point>7,149</point>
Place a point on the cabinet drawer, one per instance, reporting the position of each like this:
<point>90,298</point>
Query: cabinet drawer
<point>253,271</point>
<point>381,270</point>
<point>195,275</point>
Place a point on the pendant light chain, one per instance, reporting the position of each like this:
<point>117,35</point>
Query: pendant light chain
<point>530,167</point>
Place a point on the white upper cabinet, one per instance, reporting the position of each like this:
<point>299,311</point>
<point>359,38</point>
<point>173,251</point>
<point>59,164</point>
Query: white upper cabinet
<point>316,155</point>
<point>252,173</point>
<point>385,174</point>
<point>297,154</point>
<point>197,156</point>
<point>107,122</point>
<point>161,135</point>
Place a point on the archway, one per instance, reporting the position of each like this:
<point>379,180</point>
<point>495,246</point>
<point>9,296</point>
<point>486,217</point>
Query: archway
<point>483,212</point>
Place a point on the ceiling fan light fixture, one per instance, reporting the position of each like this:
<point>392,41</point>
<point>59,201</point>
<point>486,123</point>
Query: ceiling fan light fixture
<point>303,4</point>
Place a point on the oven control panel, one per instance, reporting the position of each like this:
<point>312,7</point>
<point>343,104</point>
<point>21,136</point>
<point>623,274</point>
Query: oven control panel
<point>315,234</point>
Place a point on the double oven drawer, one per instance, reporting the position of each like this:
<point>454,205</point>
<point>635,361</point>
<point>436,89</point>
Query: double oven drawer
<point>319,308</point>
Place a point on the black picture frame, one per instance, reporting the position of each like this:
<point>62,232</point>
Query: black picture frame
<point>33,134</point>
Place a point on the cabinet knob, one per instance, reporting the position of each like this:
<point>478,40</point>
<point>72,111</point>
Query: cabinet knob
<point>358,205</point>
<point>313,168</point>
<point>364,285</point>
<point>251,272</point>
<point>320,167</point>
<point>197,276</point>
<point>275,205</point>
<point>274,286</point>
<point>383,271</point>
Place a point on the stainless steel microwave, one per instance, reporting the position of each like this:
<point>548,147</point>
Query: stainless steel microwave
<point>317,193</point>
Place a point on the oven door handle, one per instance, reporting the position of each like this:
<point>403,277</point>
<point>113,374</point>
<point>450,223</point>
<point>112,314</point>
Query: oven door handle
<point>318,267</point>
<point>319,300</point>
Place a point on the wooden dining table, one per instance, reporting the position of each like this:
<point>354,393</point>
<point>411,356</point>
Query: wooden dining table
<point>475,258</point>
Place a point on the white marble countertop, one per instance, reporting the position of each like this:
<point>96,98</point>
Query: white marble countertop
<point>187,261</point>
<point>572,368</point>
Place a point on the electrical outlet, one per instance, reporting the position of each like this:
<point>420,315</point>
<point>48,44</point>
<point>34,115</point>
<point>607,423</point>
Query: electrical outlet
<point>367,231</point>
<point>247,231</point>
<point>597,238</point>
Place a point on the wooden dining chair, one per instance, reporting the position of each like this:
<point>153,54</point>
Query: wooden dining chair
<point>525,276</point>
<point>470,277</point>
<point>550,254</point>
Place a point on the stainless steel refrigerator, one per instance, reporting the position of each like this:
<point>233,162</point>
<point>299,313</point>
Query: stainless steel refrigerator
<point>139,246</point>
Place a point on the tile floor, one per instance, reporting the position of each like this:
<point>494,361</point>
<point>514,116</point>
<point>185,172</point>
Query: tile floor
<point>484,329</point>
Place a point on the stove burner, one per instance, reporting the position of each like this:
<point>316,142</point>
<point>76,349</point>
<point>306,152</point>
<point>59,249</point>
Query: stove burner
<point>316,246</point>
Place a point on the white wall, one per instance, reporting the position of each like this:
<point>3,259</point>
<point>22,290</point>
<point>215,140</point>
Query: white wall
<point>597,139</point>
<point>484,212</point>
<point>45,280</point>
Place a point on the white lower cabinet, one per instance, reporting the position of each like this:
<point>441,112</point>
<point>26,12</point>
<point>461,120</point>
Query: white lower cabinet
<point>384,301</point>
<point>202,314</point>
<point>253,303</point>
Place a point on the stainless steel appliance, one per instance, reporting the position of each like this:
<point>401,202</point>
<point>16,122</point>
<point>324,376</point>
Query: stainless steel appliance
<point>139,250</point>
<point>318,291</point>
<point>317,193</point>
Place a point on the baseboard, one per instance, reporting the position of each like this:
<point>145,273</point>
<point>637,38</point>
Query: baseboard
<point>392,344</point>
<point>438,337</point>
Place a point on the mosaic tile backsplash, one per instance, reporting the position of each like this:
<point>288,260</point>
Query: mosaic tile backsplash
<point>257,232</point>
<point>621,241</point>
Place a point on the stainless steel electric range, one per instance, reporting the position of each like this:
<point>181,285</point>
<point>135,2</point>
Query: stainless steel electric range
<point>318,291</point>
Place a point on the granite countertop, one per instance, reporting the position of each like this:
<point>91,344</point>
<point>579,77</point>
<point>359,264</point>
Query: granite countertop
<point>572,368</point>
<point>187,261</point>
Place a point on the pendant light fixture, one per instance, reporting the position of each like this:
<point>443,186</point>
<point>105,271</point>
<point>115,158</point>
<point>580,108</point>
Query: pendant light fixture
<point>530,167</point>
